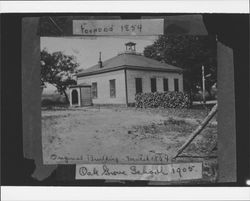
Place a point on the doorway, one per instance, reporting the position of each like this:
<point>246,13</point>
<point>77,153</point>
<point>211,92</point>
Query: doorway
<point>74,94</point>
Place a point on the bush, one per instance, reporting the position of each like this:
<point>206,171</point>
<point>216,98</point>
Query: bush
<point>47,102</point>
<point>53,102</point>
<point>171,99</point>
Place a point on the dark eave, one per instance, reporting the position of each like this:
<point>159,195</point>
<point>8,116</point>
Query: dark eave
<point>79,86</point>
<point>82,74</point>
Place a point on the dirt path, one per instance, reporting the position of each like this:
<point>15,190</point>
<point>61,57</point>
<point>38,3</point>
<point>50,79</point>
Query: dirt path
<point>112,135</point>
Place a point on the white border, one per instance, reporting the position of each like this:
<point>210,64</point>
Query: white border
<point>170,6</point>
<point>124,193</point>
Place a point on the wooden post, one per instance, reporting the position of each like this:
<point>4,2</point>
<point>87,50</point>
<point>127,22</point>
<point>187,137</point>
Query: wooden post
<point>198,130</point>
<point>203,86</point>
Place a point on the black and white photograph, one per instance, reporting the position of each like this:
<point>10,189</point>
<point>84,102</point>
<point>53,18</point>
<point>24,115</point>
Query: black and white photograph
<point>97,99</point>
<point>130,100</point>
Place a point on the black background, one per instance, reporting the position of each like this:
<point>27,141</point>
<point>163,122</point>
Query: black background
<point>232,30</point>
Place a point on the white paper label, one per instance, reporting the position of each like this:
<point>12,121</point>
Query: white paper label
<point>118,27</point>
<point>169,172</point>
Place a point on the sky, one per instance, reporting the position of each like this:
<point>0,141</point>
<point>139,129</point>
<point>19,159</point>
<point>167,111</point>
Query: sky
<point>86,49</point>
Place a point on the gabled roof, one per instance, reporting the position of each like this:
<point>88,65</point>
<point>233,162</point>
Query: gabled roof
<point>129,61</point>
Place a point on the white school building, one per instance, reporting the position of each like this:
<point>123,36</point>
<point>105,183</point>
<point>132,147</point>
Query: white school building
<point>118,79</point>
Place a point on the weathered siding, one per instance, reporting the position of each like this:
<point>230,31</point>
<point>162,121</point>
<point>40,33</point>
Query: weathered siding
<point>146,84</point>
<point>103,90</point>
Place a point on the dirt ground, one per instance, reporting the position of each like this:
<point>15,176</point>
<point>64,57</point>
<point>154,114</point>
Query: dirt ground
<point>127,135</point>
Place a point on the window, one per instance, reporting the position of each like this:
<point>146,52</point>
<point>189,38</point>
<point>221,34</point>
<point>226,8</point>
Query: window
<point>112,88</point>
<point>153,85</point>
<point>138,85</point>
<point>165,84</point>
<point>94,90</point>
<point>176,84</point>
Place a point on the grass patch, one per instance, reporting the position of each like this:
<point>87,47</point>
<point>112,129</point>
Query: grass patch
<point>174,122</point>
<point>168,127</point>
<point>51,101</point>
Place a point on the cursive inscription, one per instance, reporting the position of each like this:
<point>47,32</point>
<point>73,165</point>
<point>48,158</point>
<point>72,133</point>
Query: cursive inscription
<point>103,159</point>
<point>85,29</point>
<point>83,171</point>
<point>157,158</point>
<point>118,27</point>
<point>65,159</point>
<point>169,172</point>
<point>144,170</point>
<point>107,171</point>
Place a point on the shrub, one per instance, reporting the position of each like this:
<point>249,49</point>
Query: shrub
<point>171,99</point>
<point>52,102</point>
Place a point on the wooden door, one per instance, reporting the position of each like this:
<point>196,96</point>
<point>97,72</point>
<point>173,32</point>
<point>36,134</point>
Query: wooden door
<point>74,95</point>
<point>86,99</point>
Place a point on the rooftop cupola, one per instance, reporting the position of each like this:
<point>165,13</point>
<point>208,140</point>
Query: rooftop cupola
<point>130,47</point>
